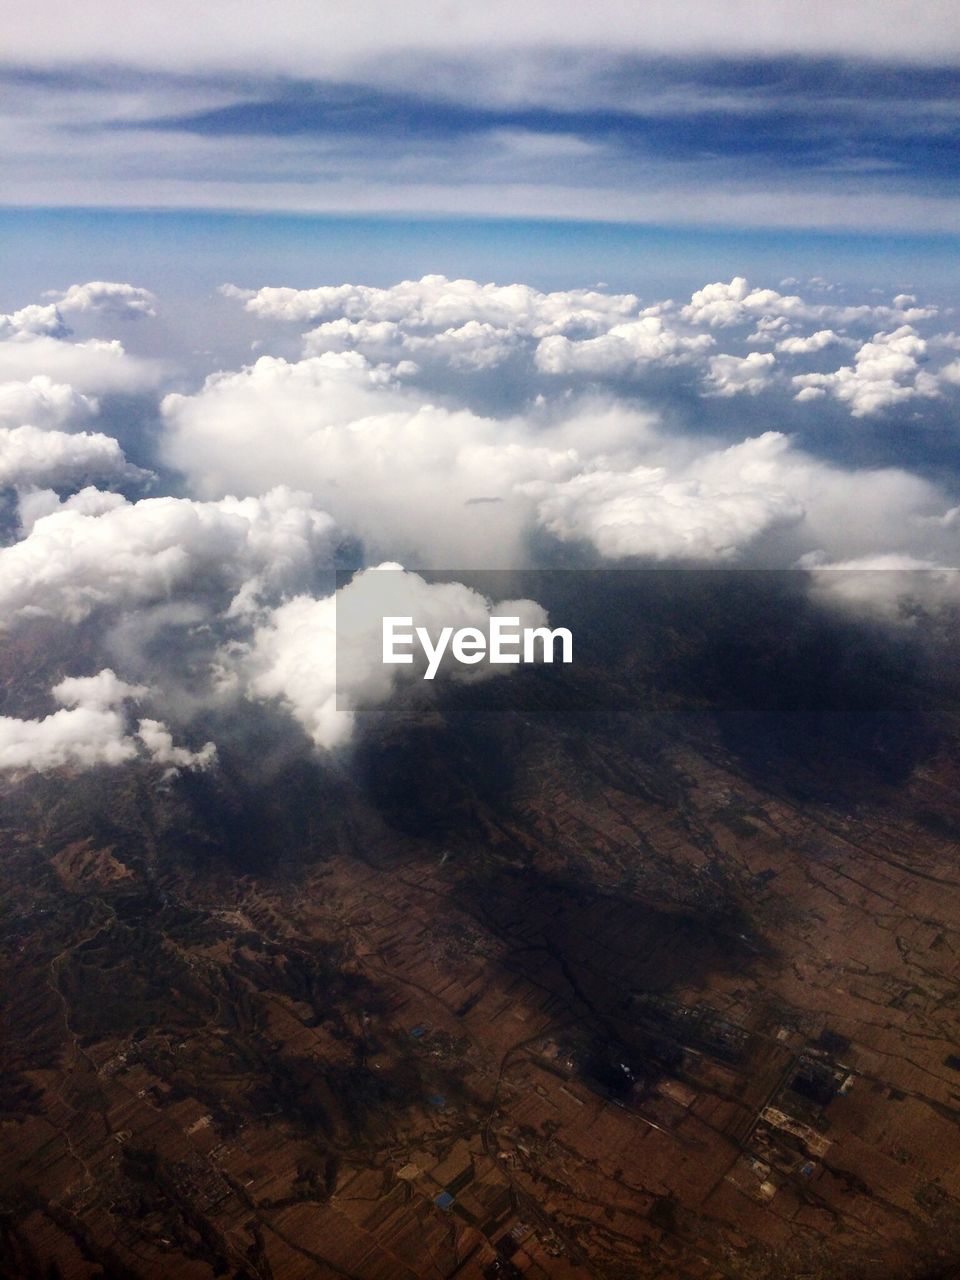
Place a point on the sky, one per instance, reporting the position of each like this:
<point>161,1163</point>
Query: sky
<point>749,113</point>
<point>454,286</point>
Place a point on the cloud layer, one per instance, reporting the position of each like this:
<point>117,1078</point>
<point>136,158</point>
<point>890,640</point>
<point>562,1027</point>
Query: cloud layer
<point>695,113</point>
<point>437,423</point>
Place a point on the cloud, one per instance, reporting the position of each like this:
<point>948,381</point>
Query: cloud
<point>34,320</point>
<point>90,729</point>
<point>895,589</point>
<point>621,349</point>
<point>720,305</point>
<point>474,326</point>
<point>465,326</point>
<point>436,303</point>
<point>473,346</point>
<point>93,366</point>
<point>649,512</point>
<point>391,466</point>
<point>612,131</point>
<point>82,556</point>
<point>731,375</point>
<point>98,693</point>
<point>35,347</point>
<point>762,502</point>
<point>886,371</point>
<point>158,741</point>
<point>32,504</point>
<point>107,297</point>
<point>802,346</point>
<point>57,459</point>
<point>240,37</point>
<point>295,656</point>
<point>395,465</point>
<point>41,402</point>
<point>225,595</point>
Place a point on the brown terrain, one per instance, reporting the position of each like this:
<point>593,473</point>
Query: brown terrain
<point>637,990</point>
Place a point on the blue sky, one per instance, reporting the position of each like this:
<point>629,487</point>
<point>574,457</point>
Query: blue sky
<point>185,253</point>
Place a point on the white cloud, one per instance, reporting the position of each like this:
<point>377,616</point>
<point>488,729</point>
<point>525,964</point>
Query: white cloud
<point>708,511</point>
<point>720,305</point>
<point>392,467</point>
<point>98,692</point>
<point>762,502</point>
<point>730,375</point>
<point>35,347</point>
<point>41,402</point>
<point>32,504</point>
<point>477,326</point>
<point>57,459</point>
<point>895,588</point>
<point>92,366</point>
<point>439,304</point>
<point>158,741</point>
<point>77,558</point>
<point>109,297</point>
<point>239,36</point>
<point>294,655</point>
<point>471,346</point>
<point>886,371</point>
<point>35,320</point>
<point>421,478</point>
<point>90,729</point>
<point>621,349</point>
<point>819,341</point>
<point>436,484</point>
<point>83,737</point>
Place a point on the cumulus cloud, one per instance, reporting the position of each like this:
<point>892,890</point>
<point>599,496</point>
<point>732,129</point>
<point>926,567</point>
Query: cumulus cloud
<point>57,459</point>
<point>295,656</point>
<point>473,346</point>
<point>649,512</point>
<point>731,375</point>
<point>473,326</point>
<point>586,334</point>
<point>437,303</point>
<point>91,729</point>
<point>82,556</point>
<point>109,297</point>
<point>720,305</point>
<point>802,346</point>
<point>35,320</point>
<point>91,501</point>
<point>885,371</point>
<point>621,349</point>
<point>35,344</point>
<point>391,466</point>
<point>762,501</point>
<point>41,402</point>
